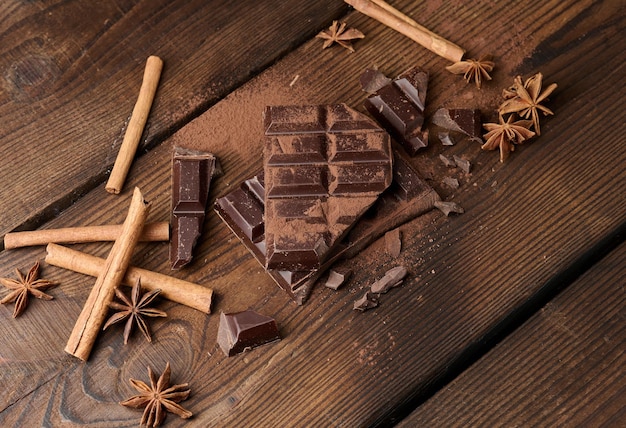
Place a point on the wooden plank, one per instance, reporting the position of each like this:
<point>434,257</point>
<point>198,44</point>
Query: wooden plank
<point>70,72</point>
<point>564,367</point>
<point>525,221</point>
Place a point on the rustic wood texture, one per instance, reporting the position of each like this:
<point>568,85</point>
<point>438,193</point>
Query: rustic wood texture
<point>564,367</point>
<point>70,73</point>
<point>526,221</point>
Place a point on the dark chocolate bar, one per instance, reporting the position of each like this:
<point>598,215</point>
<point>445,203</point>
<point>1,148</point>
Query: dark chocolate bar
<point>243,331</point>
<point>399,108</point>
<point>406,198</point>
<point>324,166</point>
<point>191,178</point>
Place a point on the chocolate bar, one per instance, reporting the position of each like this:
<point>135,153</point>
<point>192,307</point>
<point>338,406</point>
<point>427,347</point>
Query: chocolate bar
<point>399,107</point>
<point>243,331</point>
<point>191,177</point>
<point>406,198</point>
<point>324,166</point>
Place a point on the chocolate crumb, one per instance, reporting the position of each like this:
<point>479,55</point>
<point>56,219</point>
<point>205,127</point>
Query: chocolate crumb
<point>451,182</point>
<point>393,278</point>
<point>338,277</point>
<point>447,207</point>
<point>447,161</point>
<point>367,301</point>
<point>393,242</point>
<point>464,164</point>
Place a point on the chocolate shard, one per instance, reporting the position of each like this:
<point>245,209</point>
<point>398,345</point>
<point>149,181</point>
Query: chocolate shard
<point>324,166</point>
<point>191,177</point>
<point>448,207</point>
<point>447,161</point>
<point>393,242</point>
<point>466,121</point>
<point>337,277</point>
<point>243,331</point>
<point>451,182</point>
<point>462,163</point>
<point>445,139</point>
<point>399,108</point>
<point>372,80</point>
<point>393,278</point>
<point>365,302</point>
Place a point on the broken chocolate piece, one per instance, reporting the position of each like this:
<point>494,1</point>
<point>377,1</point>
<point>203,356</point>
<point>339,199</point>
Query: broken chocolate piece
<point>451,182</point>
<point>447,161</point>
<point>324,167</point>
<point>448,207</point>
<point>191,177</point>
<point>393,278</point>
<point>372,80</point>
<point>399,108</point>
<point>243,331</point>
<point>464,164</point>
<point>367,301</point>
<point>337,277</point>
<point>466,121</point>
<point>445,139</point>
<point>393,242</point>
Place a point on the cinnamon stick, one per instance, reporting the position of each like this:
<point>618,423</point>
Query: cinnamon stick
<point>138,119</point>
<point>73,235</point>
<point>94,312</point>
<point>186,293</point>
<point>393,18</point>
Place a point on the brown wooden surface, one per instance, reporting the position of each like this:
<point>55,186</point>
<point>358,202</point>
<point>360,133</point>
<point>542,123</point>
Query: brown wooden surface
<point>564,367</point>
<point>526,222</point>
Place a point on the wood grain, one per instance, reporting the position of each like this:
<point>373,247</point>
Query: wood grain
<point>564,367</point>
<point>70,72</point>
<point>525,222</point>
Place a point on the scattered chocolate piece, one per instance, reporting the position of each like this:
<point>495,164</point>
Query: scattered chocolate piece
<point>451,182</point>
<point>324,166</point>
<point>445,139</point>
<point>393,278</point>
<point>466,121</point>
<point>372,80</point>
<point>393,242</point>
<point>337,277</point>
<point>464,164</point>
<point>367,301</point>
<point>243,331</point>
<point>399,108</point>
<point>447,207</point>
<point>447,161</point>
<point>191,177</point>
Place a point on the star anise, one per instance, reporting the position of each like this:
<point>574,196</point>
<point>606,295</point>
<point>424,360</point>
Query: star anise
<point>472,69</point>
<point>158,398</point>
<point>135,309</point>
<point>503,135</point>
<point>25,285</point>
<point>337,33</point>
<point>525,99</point>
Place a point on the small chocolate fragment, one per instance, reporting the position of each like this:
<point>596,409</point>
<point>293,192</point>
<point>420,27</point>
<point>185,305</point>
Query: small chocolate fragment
<point>451,182</point>
<point>445,139</point>
<point>399,108</point>
<point>448,207</point>
<point>464,164</point>
<point>466,121</point>
<point>393,278</point>
<point>337,277</point>
<point>243,331</point>
<point>191,177</point>
<point>447,161</point>
<point>367,301</point>
<point>393,242</point>
<point>372,80</point>
<point>324,166</point>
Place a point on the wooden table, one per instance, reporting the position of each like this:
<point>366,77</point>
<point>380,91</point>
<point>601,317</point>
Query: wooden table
<point>514,312</point>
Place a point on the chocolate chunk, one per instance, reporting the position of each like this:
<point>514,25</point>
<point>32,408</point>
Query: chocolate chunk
<point>393,242</point>
<point>372,80</point>
<point>399,108</point>
<point>191,177</point>
<point>337,277</point>
<point>451,182</point>
<point>407,197</point>
<point>464,164</point>
<point>243,331</point>
<point>393,278</point>
<point>448,207</point>
<point>367,301</point>
<point>447,161</point>
<point>324,166</point>
<point>466,121</point>
<point>445,139</point>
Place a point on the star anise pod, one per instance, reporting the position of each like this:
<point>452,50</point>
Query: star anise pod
<point>525,99</point>
<point>25,285</point>
<point>158,398</point>
<point>472,69</point>
<point>135,309</point>
<point>337,33</point>
<point>503,135</point>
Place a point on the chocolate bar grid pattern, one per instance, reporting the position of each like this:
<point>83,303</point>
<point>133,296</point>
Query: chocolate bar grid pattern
<point>315,158</point>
